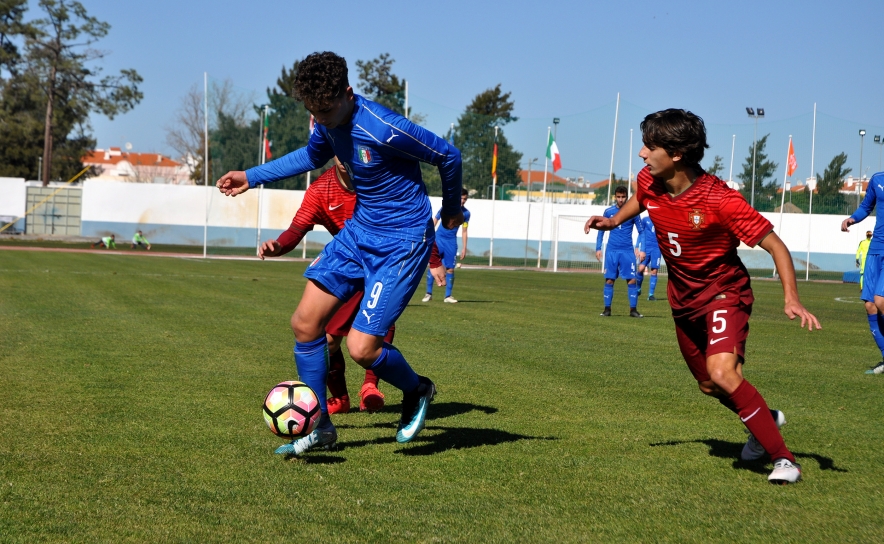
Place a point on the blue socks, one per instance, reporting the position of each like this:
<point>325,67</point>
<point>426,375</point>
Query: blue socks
<point>392,367</point>
<point>449,284</point>
<point>875,327</point>
<point>430,282</point>
<point>311,360</point>
<point>653,285</point>
<point>639,278</point>
<point>632,290</point>
<point>609,295</point>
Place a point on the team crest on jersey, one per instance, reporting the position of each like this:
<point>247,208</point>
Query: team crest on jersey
<point>697,219</point>
<point>364,154</point>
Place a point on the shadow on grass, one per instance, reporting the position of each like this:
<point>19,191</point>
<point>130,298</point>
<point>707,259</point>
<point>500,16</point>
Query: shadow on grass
<point>438,410</point>
<point>458,438</point>
<point>732,450</point>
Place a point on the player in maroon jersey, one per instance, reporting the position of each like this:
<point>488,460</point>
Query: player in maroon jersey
<point>700,222</point>
<point>330,201</point>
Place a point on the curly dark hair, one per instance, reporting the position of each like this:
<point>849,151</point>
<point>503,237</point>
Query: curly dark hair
<point>676,131</point>
<point>321,78</point>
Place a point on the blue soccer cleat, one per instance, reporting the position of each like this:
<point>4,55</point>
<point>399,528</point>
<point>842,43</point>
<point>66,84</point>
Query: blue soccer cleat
<point>324,439</point>
<point>414,410</point>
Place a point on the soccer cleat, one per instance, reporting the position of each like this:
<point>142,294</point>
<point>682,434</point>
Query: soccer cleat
<point>634,313</point>
<point>427,298</point>
<point>450,300</point>
<point>372,400</point>
<point>877,369</point>
<point>784,472</point>
<point>324,439</point>
<point>338,405</point>
<point>753,450</point>
<point>652,298</point>
<point>606,312</point>
<point>414,410</point>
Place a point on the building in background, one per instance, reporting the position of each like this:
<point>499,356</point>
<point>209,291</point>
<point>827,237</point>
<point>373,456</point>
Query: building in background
<point>114,164</point>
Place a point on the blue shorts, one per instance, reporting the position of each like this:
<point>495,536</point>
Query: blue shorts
<point>652,260</point>
<point>447,250</point>
<point>620,264</point>
<point>388,269</point>
<point>873,278</point>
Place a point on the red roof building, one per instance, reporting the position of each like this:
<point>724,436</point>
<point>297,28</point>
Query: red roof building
<point>117,165</point>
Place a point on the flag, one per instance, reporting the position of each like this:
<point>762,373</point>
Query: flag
<point>494,163</point>
<point>552,153</point>
<point>791,162</point>
<point>267,154</point>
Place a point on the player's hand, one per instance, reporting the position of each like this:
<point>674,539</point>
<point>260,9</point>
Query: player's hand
<point>598,256</point>
<point>796,309</point>
<point>451,222</point>
<point>270,248</point>
<point>438,274</point>
<point>642,255</point>
<point>598,222</point>
<point>846,223</point>
<point>233,183</point>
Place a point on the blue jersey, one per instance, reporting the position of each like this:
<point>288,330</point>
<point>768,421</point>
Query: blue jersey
<point>874,193</point>
<point>647,242</point>
<point>619,239</point>
<point>381,151</point>
<point>444,233</point>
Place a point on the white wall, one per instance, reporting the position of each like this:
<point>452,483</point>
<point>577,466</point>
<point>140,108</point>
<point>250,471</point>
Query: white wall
<point>12,196</point>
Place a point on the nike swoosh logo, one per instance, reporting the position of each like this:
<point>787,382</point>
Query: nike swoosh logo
<point>717,340</point>
<point>651,207</point>
<point>747,418</point>
<point>333,208</point>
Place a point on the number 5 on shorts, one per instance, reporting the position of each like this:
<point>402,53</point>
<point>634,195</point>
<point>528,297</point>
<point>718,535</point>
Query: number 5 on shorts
<point>718,317</point>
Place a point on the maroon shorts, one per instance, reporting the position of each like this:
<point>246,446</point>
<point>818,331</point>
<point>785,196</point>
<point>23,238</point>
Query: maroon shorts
<point>722,330</point>
<point>342,321</point>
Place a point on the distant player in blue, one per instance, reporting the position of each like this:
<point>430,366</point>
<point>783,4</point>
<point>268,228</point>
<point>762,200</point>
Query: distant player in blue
<point>619,256</point>
<point>873,275</point>
<point>382,250</point>
<point>648,256</point>
<point>446,241</point>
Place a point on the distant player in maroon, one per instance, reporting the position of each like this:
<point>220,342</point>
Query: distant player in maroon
<point>700,222</point>
<point>329,202</point>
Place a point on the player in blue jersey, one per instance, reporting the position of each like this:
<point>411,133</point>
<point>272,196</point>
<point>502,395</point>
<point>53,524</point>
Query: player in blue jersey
<point>873,275</point>
<point>382,250</point>
<point>619,256</point>
<point>446,241</point>
<point>648,256</point>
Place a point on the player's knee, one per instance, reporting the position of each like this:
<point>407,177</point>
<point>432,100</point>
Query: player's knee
<point>334,343</point>
<point>364,353</point>
<point>871,308</point>
<point>708,388</point>
<point>449,271</point>
<point>609,282</point>
<point>305,329</point>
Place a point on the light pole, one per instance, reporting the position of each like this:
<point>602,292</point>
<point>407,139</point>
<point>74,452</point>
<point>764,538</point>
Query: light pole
<point>555,127</point>
<point>880,143</point>
<point>862,139</point>
<point>528,182</point>
<point>756,115</point>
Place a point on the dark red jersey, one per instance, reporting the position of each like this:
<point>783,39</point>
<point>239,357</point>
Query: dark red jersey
<point>325,203</point>
<point>699,232</point>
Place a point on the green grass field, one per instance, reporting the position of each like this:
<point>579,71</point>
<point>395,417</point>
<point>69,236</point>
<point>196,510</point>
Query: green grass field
<point>131,388</point>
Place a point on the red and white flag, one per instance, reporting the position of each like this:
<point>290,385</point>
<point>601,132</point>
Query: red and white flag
<point>552,153</point>
<point>791,162</point>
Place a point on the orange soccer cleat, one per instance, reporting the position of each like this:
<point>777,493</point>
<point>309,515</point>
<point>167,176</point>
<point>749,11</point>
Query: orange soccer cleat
<point>372,399</point>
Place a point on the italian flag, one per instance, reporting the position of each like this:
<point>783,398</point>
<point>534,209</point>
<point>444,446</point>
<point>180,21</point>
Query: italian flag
<point>552,153</point>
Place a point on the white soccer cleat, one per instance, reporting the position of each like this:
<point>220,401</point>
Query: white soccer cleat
<point>427,298</point>
<point>450,300</point>
<point>785,472</point>
<point>877,369</point>
<point>753,451</point>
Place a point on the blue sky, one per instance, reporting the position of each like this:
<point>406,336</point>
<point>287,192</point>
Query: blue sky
<point>558,59</point>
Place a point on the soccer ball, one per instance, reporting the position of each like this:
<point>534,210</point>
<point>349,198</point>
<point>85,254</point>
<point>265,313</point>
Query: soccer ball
<point>291,409</point>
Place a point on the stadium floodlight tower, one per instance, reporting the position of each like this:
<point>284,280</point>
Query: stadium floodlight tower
<point>862,139</point>
<point>756,113</point>
<point>880,143</point>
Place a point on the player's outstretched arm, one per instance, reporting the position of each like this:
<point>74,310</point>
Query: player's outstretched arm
<point>783,261</point>
<point>270,248</point>
<point>600,222</point>
<point>233,183</point>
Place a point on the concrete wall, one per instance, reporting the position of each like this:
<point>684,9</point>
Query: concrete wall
<point>174,214</point>
<point>13,195</point>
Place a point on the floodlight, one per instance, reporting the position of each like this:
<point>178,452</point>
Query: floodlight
<point>750,111</point>
<point>862,132</point>
<point>760,112</point>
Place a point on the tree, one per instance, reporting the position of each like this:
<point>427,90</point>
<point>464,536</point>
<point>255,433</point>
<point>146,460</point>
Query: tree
<point>765,184</point>
<point>828,186</point>
<point>57,58</point>
<point>289,124</point>
<point>474,135</point>
<point>11,26</point>
<point>717,166</point>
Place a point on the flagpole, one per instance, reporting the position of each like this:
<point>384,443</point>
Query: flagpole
<point>783,201</point>
<point>543,200</point>
<point>629,183</point>
<point>810,208</point>
<point>304,240</point>
<point>613,147</point>
<point>730,177</point>
<point>206,159</point>
<point>493,196</point>
<point>264,122</point>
